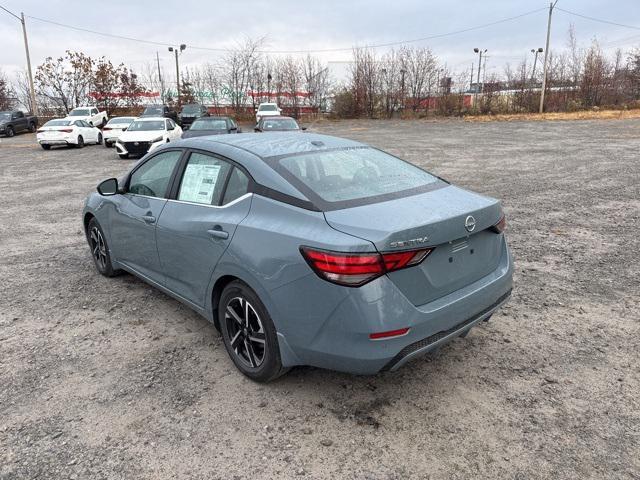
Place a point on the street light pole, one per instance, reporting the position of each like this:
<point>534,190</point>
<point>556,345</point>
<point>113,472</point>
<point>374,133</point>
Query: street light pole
<point>535,60</point>
<point>479,51</point>
<point>177,50</point>
<point>546,55</point>
<point>32,90</point>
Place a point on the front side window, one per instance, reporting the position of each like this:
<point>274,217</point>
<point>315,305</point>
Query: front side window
<point>94,111</point>
<point>203,179</point>
<point>353,174</point>
<point>152,177</point>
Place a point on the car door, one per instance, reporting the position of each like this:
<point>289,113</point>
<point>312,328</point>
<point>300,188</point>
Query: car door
<point>133,225</point>
<point>199,221</point>
<point>89,132</point>
<point>19,122</point>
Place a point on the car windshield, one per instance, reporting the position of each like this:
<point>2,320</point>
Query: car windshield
<point>191,109</point>
<point>5,115</point>
<point>57,123</point>
<point>353,173</point>
<point>146,126</point>
<point>153,111</point>
<point>209,123</point>
<point>268,108</point>
<point>80,112</point>
<point>119,120</point>
<point>279,124</point>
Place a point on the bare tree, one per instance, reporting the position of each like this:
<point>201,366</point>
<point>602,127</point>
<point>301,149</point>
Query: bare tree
<point>7,94</point>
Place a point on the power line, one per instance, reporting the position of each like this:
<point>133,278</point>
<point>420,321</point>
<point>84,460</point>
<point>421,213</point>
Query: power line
<point>325,50</point>
<point>594,19</point>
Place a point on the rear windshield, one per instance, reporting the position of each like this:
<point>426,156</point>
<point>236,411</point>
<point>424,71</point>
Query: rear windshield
<point>268,108</point>
<point>80,112</point>
<point>145,126</point>
<point>154,111</point>
<point>352,175</point>
<point>279,124</point>
<point>191,109</point>
<point>209,123</point>
<point>57,123</point>
<point>115,120</point>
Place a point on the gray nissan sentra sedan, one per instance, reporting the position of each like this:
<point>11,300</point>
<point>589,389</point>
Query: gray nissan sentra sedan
<point>305,249</point>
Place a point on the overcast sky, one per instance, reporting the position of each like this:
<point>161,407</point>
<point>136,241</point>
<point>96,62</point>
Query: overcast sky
<point>295,24</point>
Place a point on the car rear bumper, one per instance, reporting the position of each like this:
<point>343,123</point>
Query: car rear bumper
<point>51,141</point>
<point>342,342</point>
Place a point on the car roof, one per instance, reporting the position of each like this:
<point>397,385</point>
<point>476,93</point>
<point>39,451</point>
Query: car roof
<point>276,143</point>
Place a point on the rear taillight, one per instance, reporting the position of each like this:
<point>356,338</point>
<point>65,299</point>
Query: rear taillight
<point>500,226</point>
<point>356,269</point>
<point>66,130</point>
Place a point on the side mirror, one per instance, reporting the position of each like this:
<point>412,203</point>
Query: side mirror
<point>238,130</point>
<point>257,129</point>
<point>125,129</point>
<point>303,128</point>
<point>108,187</point>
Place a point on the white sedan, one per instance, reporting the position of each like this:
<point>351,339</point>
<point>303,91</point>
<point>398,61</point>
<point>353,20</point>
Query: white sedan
<point>114,128</point>
<point>145,134</point>
<point>64,131</point>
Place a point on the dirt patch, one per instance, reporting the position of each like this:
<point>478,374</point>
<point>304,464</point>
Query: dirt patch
<point>109,378</point>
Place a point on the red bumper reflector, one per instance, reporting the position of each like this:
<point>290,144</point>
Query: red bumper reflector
<point>389,334</point>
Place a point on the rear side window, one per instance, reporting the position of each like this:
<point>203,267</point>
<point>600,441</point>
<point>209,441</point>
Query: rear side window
<point>203,179</point>
<point>353,174</point>
<point>152,177</point>
<point>238,185</point>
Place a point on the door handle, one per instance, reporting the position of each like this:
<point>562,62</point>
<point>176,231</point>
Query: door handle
<point>149,218</point>
<point>217,232</point>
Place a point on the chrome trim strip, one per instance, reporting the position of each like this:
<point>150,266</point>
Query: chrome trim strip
<point>233,202</point>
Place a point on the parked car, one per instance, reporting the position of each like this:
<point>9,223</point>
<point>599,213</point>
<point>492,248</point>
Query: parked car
<point>267,110</point>
<point>15,121</point>
<point>305,249</point>
<point>114,128</point>
<point>91,115</point>
<point>277,124</point>
<point>211,126</point>
<point>160,111</point>
<point>146,134</point>
<point>69,132</point>
<point>190,113</point>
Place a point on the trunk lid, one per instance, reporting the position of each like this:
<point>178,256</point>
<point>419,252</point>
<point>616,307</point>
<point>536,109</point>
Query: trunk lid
<point>433,219</point>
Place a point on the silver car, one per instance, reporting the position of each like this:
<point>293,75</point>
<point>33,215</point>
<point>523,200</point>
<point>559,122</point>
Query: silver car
<point>305,249</point>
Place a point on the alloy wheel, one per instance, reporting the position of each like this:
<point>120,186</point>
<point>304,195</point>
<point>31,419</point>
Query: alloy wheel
<point>98,248</point>
<point>246,332</point>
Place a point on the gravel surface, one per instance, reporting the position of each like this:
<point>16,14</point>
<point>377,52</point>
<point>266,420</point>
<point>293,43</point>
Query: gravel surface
<point>111,379</point>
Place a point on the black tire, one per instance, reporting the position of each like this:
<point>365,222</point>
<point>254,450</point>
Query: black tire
<point>80,143</point>
<point>104,122</point>
<point>253,344</point>
<point>100,250</point>
<point>123,156</point>
<point>32,127</point>
<point>9,132</point>
<point>99,142</point>
<point>107,144</point>
<point>46,147</point>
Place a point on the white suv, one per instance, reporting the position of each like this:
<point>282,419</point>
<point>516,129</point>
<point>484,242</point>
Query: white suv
<point>267,110</point>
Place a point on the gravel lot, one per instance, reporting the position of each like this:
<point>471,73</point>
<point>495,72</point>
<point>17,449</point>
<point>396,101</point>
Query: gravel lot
<point>111,379</point>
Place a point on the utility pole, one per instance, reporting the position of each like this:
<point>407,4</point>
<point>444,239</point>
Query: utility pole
<point>160,78</point>
<point>471,80</point>
<point>32,90</point>
<point>546,56</point>
<point>178,50</point>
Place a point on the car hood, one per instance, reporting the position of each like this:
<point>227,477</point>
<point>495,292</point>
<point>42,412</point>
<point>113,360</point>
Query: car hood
<point>140,136</point>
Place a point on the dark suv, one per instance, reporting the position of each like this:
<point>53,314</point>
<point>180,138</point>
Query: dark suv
<point>190,112</point>
<point>160,111</point>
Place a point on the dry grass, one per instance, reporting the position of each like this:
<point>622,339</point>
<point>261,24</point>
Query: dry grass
<point>582,115</point>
